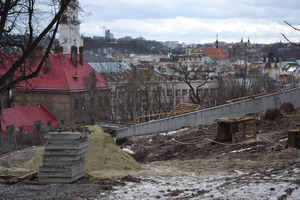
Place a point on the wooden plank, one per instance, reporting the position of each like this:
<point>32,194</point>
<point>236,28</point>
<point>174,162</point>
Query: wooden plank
<point>23,177</point>
<point>28,175</point>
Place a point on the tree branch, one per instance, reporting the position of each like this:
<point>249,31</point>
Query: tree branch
<point>293,43</point>
<point>18,63</point>
<point>297,29</point>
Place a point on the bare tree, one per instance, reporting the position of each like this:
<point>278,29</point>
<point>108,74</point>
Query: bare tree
<point>293,27</point>
<point>189,74</point>
<point>23,25</point>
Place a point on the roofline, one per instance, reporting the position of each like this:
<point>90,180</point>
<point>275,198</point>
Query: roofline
<point>62,90</point>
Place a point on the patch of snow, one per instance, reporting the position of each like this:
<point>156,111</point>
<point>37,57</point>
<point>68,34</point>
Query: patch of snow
<point>296,170</point>
<point>128,150</point>
<point>239,172</point>
<point>283,140</point>
<point>172,132</point>
<point>241,150</point>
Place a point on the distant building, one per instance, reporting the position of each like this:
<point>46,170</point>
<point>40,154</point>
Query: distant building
<point>171,44</point>
<point>108,34</point>
<point>271,67</point>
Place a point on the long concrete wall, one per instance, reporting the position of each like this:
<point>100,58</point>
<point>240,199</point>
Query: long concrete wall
<point>207,116</point>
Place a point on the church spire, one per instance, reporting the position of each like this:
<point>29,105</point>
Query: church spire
<point>69,32</point>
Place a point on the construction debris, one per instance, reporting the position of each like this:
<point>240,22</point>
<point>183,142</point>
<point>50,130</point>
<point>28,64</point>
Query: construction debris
<point>63,159</point>
<point>104,160</point>
<point>181,108</point>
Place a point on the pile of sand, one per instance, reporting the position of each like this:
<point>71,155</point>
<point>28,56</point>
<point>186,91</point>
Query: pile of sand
<point>105,159</point>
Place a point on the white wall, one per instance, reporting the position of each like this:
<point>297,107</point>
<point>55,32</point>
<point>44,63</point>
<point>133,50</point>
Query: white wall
<point>207,116</point>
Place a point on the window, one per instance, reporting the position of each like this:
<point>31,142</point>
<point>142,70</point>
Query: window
<point>100,101</point>
<point>169,92</point>
<point>76,104</point>
<point>205,92</point>
<point>121,94</point>
<point>199,92</point>
<point>92,102</point>
<point>113,95</point>
<point>82,103</point>
<point>178,92</point>
<point>184,92</point>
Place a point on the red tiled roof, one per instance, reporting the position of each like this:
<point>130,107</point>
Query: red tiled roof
<point>63,76</point>
<point>25,116</point>
<point>215,53</point>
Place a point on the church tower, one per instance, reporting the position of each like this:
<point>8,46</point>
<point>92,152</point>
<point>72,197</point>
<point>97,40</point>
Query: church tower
<point>69,33</point>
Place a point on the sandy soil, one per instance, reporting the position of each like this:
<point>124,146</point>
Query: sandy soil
<point>186,164</point>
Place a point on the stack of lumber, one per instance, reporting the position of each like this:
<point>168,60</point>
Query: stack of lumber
<point>184,108</point>
<point>63,160</point>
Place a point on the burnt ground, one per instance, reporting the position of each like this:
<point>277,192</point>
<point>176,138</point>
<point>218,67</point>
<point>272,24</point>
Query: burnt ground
<point>188,164</point>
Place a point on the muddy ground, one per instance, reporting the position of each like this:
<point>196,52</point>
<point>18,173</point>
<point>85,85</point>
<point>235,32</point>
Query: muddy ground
<point>188,164</point>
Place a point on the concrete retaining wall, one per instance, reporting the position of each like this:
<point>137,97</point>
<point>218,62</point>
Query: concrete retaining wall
<point>207,116</point>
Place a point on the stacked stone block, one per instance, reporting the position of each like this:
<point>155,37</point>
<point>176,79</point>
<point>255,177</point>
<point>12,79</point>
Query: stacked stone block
<point>63,160</point>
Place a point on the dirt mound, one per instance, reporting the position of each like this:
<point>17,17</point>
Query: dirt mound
<point>288,108</point>
<point>105,158</point>
<point>272,114</point>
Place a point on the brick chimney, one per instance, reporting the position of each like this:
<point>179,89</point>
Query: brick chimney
<point>59,49</point>
<point>32,58</point>
<point>81,55</point>
<point>74,55</point>
<point>47,64</point>
<point>38,51</point>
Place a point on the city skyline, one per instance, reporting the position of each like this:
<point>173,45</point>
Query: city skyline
<point>193,21</point>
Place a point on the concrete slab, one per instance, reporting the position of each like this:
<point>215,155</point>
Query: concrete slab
<point>65,158</point>
<point>61,174</point>
<point>61,168</point>
<point>59,179</point>
<point>61,163</point>
<point>67,146</point>
<point>65,152</point>
<point>66,141</point>
<point>66,135</point>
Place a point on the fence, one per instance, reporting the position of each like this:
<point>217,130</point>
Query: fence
<point>16,137</point>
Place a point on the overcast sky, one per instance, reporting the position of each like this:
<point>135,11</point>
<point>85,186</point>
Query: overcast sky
<point>193,21</point>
